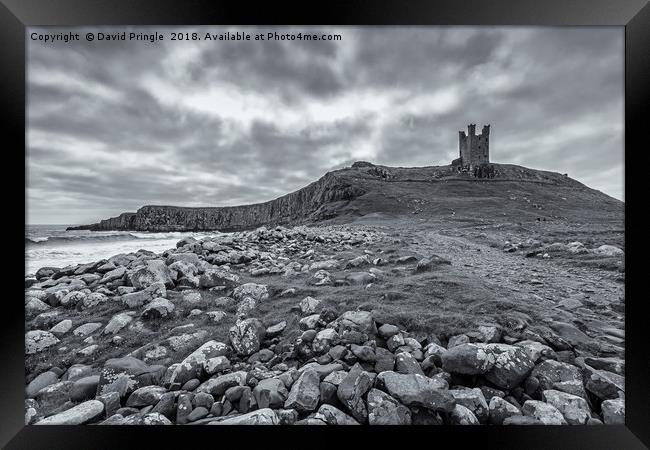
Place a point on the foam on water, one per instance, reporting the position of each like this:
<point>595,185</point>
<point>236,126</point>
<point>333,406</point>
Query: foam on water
<point>52,246</point>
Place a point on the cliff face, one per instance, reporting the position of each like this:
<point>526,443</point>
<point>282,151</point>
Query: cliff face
<point>125,221</point>
<point>430,192</point>
<point>301,206</point>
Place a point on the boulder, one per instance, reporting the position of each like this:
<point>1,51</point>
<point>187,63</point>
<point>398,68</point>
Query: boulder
<point>92,300</point>
<point>87,329</point>
<point>356,320</point>
<point>467,359</point>
<point>309,322</point>
<point>246,336</point>
<point>323,370</point>
<point>257,291</point>
<point>77,371</point>
<point>536,350</point>
<point>51,398</point>
<point>351,391</point>
<point>34,306</point>
<point>333,416</point>
<point>219,385</point>
<point>500,410</point>
<point>90,278</point>
<point>604,385</point>
<point>192,299</point>
<point>324,265</point>
<point>436,351</point>
<point>145,396</point>
<point>183,268</point>
<point>46,272</point>
<point>32,411</point>
<point>62,327</point>
<point>358,261</point>
<point>47,319</point>
<point>614,365</point>
<point>309,305</point>
<point>196,364</point>
<point>117,322</point>
<point>276,330</point>
<point>522,420</point>
<point>203,399</point>
<point>140,298</point>
<point>384,360</point>
<point>490,333</point>
<point>276,393</point>
<point>38,340</point>
<point>511,365</point>
<point>320,278</point>
<point>218,277</point>
<point>385,410</point>
<point>560,376</point>
<point>150,418</point>
<point>153,271</point>
<point>216,365</point>
<point>216,316</point>
<point>41,381</point>
<point>54,295</point>
<point>405,363</point>
<point>84,388</point>
<point>571,334</point>
<point>613,411</point>
<point>324,340</point>
<point>544,412</point>
<point>125,375</point>
<point>364,353</point>
<point>305,392</point>
<point>112,275</point>
<point>461,415</point>
<point>198,412</point>
<point>574,409</point>
<point>328,394</point>
<point>473,400</point>
<point>609,250</point>
<point>416,390</point>
<point>77,415</point>
<point>457,340</point>
<point>159,308</point>
<point>183,409</point>
<point>387,331</point>
<point>111,403</point>
<point>264,416</point>
<point>247,305</point>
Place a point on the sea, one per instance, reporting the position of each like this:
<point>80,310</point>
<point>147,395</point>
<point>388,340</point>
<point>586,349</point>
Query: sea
<point>53,246</point>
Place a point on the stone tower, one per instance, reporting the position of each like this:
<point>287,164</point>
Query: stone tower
<point>474,150</point>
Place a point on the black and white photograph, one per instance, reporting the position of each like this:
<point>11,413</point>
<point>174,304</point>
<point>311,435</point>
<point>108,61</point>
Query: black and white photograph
<point>325,225</point>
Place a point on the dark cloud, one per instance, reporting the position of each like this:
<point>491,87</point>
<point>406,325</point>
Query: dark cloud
<point>116,125</point>
<point>288,69</point>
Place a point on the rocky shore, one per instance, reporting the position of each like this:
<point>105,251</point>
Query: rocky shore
<point>308,326</point>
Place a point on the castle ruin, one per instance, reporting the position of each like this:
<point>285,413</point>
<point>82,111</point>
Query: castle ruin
<point>474,151</point>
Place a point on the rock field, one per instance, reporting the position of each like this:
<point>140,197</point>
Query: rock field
<point>331,325</point>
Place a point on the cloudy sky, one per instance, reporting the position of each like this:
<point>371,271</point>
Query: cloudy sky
<point>113,126</point>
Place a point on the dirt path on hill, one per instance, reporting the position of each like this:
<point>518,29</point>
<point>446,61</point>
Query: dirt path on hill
<point>587,303</point>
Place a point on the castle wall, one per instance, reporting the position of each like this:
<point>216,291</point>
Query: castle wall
<point>480,150</point>
<point>463,146</point>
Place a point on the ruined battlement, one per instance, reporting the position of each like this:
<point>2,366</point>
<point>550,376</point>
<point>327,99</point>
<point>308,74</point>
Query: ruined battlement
<point>474,149</point>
